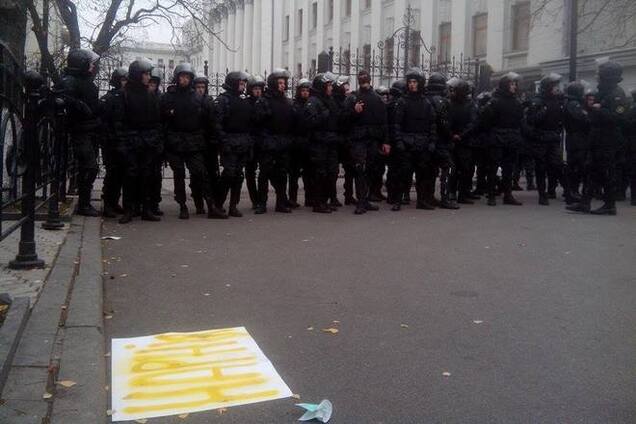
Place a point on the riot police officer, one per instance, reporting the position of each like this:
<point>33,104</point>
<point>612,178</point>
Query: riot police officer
<point>321,119</point>
<point>341,90</point>
<point>154,87</point>
<point>415,135</point>
<point>274,114</point>
<point>377,174</point>
<point>394,187</point>
<point>233,118</point>
<point>185,115</point>
<point>255,87</point>
<point>82,98</point>
<point>502,117</point>
<point>299,163</point>
<point>113,179</point>
<point>607,116</point>
<point>545,120</point>
<point>437,95</point>
<point>576,122</point>
<point>134,116</point>
<point>462,122</point>
<point>369,137</point>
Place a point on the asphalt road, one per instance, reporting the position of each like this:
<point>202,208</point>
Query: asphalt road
<point>530,309</point>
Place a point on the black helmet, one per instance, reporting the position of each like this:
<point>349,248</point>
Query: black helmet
<point>232,80</point>
<point>416,74</point>
<point>459,86</point>
<point>321,80</point>
<point>398,88</point>
<point>277,74</point>
<point>137,68</point>
<point>183,68</point>
<point>255,81</point>
<point>506,79</point>
<point>155,75</point>
<point>201,80</point>
<point>79,61</point>
<point>340,83</point>
<point>436,81</point>
<point>382,91</point>
<point>549,81</point>
<point>575,90</point>
<point>116,77</point>
<point>590,92</point>
<point>483,98</point>
<point>610,71</point>
<point>302,83</point>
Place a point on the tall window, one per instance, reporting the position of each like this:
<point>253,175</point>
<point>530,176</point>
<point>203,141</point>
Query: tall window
<point>330,11</point>
<point>480,34</point>
<point>520,25</point>
<point>314,15</point>
<point>286,28</point>
<point>414,48</point>
<point>347,8</point>
<point>300,22</point>
<point>366,53</point>
<point>444,42</point>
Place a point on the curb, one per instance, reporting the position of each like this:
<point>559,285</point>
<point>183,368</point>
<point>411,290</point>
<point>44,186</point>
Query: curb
<point>63,340</point>
<point>10,334</point>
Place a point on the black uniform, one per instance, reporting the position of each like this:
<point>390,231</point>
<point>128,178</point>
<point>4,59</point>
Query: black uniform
<point>462,122</point>
<point>369,131</point>
<point>394,184</point>
<point>501,117</point>
<point>233,118</point>
<point>185,115</point>
<point>576,122</point>
<point>114,177</point>
<point>274,113</point>
<point>134,115</point>
<point>344,146</point>
<point>299,163</point>
<point>544,117</point>
<point>630,135</point>
<point>438,97</point>
<point>252,163</point>
<point>321,119</point>
<point>415,133</point>
<point>82,98</point>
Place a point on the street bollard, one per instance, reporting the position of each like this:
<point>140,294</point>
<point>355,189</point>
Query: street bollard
<point>27,257</point>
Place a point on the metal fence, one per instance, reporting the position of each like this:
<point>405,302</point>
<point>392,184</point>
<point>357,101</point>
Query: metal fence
<point>35,155</point>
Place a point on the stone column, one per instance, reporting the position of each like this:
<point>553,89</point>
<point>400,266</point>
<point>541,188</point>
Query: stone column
<point>230,30</point>
<point>305,59</point>
<point>355,27</point>
<point>248,35</point>
<point>238,37</point>
<point>496,31</point>
<point>320,29</point>
<point>258,40</point>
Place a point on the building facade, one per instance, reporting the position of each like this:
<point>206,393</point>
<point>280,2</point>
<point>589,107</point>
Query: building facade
<point>527,36</point>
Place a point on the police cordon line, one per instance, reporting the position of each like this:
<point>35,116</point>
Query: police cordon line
<point>435,129</point>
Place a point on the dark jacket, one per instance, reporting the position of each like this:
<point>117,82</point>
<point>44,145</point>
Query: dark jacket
<point>415,122</point>
<point>502,118</point>
<point>576,121</point>
<point>372,122</point>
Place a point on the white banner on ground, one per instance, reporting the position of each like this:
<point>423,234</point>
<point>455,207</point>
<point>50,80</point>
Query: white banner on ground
<point>179,373</point>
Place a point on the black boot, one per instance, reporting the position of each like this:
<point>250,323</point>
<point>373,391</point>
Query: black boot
<point>235,197</point>
<point>350,200</point>
<point>126,217</point>
<point>147,215</point>
<point>198,204</point>
<point>87,210</point>
<point>397,206</point>
<point>108,212</point>
<point>582,206</point>
<point>543,199</point>
<point>360,208</point>
<point>321,208</point>
<point>509,199</point>
<point>606,209</point>
<point>492,199</point>
<point>156,211</point>
<point>183,211</point>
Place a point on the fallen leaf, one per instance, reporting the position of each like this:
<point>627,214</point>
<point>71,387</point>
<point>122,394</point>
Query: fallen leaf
<point>295,396</point>
<point>141,421</point>
<point>47,396</point>
<point>228,285</point>
<point>124,275</point>
<point>108,317</point>
<point>107,388</point>
<point>107,355</point>
<point>111,238</point>
<point>404,325</point>
<point>183,416</point>
<point>336,322</point>
<point>185,266</point>
<point>310,328</point>
<point>206,294</point>
<point>109,412</point>
<point>330,330</point>
<point>446,374</point>
<point>477,321</point>
<point>66,383</point>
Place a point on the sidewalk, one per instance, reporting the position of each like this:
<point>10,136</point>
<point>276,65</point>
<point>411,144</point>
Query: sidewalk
<point>63,340</point>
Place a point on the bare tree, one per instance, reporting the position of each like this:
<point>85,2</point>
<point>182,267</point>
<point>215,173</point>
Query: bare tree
<point>109,22</point>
